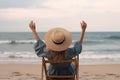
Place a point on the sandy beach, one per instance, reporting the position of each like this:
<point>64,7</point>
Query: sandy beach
<point>33,72</point>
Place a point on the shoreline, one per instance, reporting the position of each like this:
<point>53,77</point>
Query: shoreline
<point>33,72</point>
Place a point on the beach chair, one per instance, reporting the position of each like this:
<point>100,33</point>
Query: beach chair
<point>50,77</point>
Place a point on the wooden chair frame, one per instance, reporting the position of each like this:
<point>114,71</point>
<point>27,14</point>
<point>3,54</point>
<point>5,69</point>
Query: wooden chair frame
<point>48,77</point>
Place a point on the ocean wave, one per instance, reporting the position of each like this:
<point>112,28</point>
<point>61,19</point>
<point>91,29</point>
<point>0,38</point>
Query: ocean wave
<point>93,42</point>
<point>85,55</point>
<point>90,41</point>
<point>91,55</point>
<point>31,57</point>
<point>113,37</point>
<point>24,54</point>
<point>33,41</point>
<point>17,41</point>
<point>21,41</point>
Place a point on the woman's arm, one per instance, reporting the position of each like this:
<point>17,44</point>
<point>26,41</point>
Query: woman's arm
<point>83,27</point>
<point>33,29</point>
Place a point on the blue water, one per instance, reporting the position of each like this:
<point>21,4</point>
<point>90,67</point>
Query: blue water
<point>98,47</point>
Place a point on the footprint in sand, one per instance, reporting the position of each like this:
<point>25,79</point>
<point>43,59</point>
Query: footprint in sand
<point>16,74</point>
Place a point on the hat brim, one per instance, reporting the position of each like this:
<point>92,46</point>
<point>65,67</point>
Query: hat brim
<point>61,47</point>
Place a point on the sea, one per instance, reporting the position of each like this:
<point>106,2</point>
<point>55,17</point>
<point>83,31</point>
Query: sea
<point>98,48</point>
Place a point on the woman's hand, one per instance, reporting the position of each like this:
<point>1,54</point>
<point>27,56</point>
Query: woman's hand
<point>83,25</point>
<point>32,26</point>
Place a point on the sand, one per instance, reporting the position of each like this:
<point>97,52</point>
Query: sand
<point>33,72</point>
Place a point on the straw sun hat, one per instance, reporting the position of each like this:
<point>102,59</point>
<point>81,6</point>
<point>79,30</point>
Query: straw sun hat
<point>58,39</point>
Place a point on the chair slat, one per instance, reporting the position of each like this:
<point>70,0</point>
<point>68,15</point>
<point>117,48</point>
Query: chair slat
<point>60,76</point>
<point>62,61</point>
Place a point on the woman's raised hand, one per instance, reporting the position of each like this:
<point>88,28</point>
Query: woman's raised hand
<point>83,25</point>
<point>32,26</point>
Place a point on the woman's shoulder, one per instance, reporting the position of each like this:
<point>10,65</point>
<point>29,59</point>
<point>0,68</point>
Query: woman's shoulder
<point>39,42</point>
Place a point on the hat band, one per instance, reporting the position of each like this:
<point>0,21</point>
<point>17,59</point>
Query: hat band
<point>58,43</point>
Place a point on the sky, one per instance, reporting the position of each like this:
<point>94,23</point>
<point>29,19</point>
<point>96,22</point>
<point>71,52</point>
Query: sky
<point>100,15</point>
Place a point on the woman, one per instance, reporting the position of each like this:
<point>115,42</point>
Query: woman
<point>56,47</point>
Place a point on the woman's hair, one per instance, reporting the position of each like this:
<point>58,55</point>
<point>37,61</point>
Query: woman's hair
<point>57,55</point>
